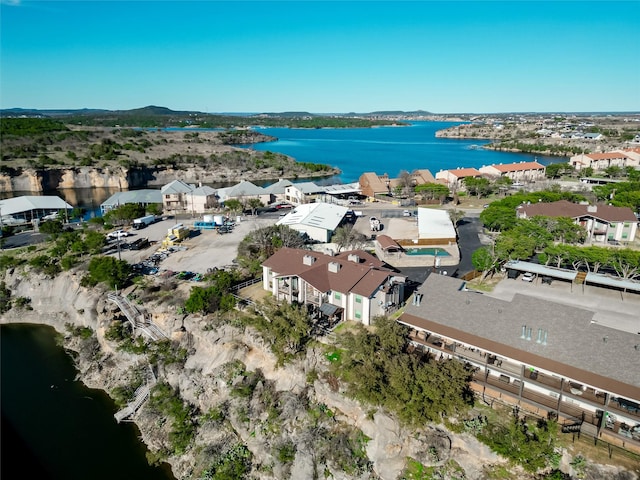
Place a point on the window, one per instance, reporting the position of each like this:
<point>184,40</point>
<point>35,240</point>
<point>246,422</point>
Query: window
<point>358,315</point>
<point>337,296</point>
<point>358,299</point>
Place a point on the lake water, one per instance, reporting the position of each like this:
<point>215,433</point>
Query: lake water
<point>387,150</point>
<point>53,427</point>
<point>354,151</point>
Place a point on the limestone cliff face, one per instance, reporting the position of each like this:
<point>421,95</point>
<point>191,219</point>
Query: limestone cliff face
<point>32,180</point>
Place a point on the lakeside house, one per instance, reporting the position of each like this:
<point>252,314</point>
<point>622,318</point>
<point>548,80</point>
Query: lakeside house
<point>555,360</point>
<point>454,179</point>
<point>353,285</point>
<point>142,197</point>
<point>277,190</point>
<point>372,184</point>
<point>174,195</point>
<point>243,191</point>
<point>300,193</point>
<point>602,161</point>
<point>525,172</point>
<point>603,223</point>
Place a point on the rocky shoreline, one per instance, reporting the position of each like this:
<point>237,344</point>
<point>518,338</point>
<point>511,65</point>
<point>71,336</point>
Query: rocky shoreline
<point>276,414</point>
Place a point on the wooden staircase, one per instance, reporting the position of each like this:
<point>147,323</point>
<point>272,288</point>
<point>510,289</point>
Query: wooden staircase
<point>580,278</point>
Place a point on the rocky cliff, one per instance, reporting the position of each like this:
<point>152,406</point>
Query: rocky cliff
<point>40,180</point>
<point>297,406</point>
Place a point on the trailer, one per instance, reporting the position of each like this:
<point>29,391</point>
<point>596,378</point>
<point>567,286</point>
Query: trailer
<point>142,222</point>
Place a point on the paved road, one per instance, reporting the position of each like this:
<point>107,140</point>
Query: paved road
<point>23,239</point>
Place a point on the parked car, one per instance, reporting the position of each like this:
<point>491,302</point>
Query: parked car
<point>118,234</point>
<point>528,277</point>
<point>406,213</point>
<point>280,206</point>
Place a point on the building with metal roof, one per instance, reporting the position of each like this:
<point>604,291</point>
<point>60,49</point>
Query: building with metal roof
<point>317,220</point>
<point>143,197</point>
<point>26,208</point>
<point>244,190</point>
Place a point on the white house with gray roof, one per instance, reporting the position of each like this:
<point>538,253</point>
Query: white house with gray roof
<point>317,220</point>
<point>142,197</point>
<point>305,192</point>
<point>277,190</point>
<point>243,191</point>
<point>174,195</point>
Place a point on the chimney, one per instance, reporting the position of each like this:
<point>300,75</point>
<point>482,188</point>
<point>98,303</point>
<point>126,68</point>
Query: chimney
<point>353,258</point>
<point>308,260</point>
<point>592,208</point>
<point>334,267</point>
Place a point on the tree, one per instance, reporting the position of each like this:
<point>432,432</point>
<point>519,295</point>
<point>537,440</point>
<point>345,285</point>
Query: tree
<point>556,170</point>
<point>478,186</point>
<point>51,227</point>
<point>406,183</point>
<point>456,215</point>
<point>124,213</point>
<point>233,205</point>
<point>346,236</point>
<point>261,243</point>
<point>108,270</point>
<point>483,261</point>
<point>154,209</point>
<point>254,203</point>
<point>431,191</point>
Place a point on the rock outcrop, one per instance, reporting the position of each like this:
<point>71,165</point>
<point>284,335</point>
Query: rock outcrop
<point>274,414</point>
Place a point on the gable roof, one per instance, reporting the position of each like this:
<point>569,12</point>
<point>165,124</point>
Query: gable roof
<point>564,208</point>
<point>242,189</point>
<point>377,183</point>
<point>25,203</point>
<point>319,214</point>
<point>386,243</point>
<point>518,167</point>
<point>145,196</point>
<point>358,278</point>
<point>203,191</point>
<point>176,186</point>
<point>278,187</point>
<point>307,187</point>
<point>464,172</point>
<point>606,155</point>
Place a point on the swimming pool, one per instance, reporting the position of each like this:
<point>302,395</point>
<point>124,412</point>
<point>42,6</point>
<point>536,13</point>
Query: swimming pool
<point>436,252</point>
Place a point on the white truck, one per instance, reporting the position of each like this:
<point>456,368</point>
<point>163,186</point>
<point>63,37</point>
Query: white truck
<point>142,222</point>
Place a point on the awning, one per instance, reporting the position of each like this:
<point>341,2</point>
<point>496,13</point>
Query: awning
<point>329,309</point>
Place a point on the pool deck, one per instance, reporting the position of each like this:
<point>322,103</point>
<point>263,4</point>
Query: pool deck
<point>407,228</point>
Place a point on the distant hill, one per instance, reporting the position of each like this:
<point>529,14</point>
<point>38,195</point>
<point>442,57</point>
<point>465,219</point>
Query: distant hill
<point>400,112</point>
<point>34,112</point>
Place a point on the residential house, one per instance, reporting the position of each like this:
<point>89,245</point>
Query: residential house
<point>517,172</point>
<point>350,286</point>
<point>277,190</point>
<point>174,195</point>
<point>547,358</point>
<point>601,161</point>
<point>454,179</point>
<point>372,184</point>
<point>244,191</point>
<point>142,197</point>
<point>305,192</point>
<point>201,199</point>
<point>603,223</point>
<point>316,220</point>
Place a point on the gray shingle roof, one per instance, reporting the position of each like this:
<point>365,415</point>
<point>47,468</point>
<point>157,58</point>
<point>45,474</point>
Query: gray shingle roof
<point>575,346</point>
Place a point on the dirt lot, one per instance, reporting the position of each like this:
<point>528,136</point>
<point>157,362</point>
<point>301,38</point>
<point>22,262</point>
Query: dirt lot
<point>203,251</point>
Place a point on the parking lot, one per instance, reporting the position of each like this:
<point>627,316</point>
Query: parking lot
<point>202,251</point>
<point>612,308</point>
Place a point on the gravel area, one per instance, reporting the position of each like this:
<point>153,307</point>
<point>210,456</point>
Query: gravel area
<point>202,251</point>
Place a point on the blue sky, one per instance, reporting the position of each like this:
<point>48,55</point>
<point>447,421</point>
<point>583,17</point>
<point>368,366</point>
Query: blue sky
<point>443,57</point>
